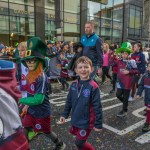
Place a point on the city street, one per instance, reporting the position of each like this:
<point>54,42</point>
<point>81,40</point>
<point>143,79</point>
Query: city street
<point>117,134</point>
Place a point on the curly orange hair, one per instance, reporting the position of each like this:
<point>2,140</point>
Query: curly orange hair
<point>33,75</point>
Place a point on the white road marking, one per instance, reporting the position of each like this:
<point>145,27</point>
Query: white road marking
<point>136,112</point>
<point>61,104</point>
<point>61,96</point>
<point>142,139</point>
<point>52,101</point>
<point>113,106</point>
<point>58,94</point>
<point>108,100</point>
<point>145,138</point>
<point>126,130</point>
<point>106,108</point>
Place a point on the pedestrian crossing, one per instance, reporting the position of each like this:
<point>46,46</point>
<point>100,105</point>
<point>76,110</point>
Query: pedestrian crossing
<point>59,100</point>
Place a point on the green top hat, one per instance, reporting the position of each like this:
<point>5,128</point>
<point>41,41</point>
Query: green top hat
<point>36,48</point>
<point>125,47</point>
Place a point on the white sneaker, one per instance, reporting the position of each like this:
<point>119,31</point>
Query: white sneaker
<point>130,99</point>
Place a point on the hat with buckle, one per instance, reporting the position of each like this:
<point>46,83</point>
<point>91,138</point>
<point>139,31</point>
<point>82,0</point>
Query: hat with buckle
<point>125,47</point>
<point>36,48</point>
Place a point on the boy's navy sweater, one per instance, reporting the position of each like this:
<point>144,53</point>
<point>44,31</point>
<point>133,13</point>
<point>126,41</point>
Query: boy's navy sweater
<point>140,61</point>
<point>93,48</point>
<point>145,85</point>
<point>85,105</point>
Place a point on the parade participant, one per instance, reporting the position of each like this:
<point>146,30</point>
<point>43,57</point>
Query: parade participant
<point>92,44</point>
<point>84,101</point>
<point>144,85</point>
<point>105,67</point>
<point>51,52</point>
<point>22,70</point>
<point>78,48</point>
<point>113,61</point>
<point>126,69</point>
<point>139,58</point>
<point>64,71</point>
<point>12,135</point>
<point>37,120</point>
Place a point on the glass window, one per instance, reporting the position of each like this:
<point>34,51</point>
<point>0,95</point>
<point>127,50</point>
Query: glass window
<point>23,26</point>
<point>4,30</point>
<point>72,6</point>
<point>94,9</point>
<point>131,19</point>
<point>118,13</point>
<point>4,24</point>
<point>71,27</point>
<point>117,2</point>
<point>4,8</point>
<point>131,31</point>
<point>23,2</point>
<point>137,32</point>
<point>106,32</point>
<point>117,33</point>
<point>50,4</point>
<point>106,10</point>
<point>71,32</point>
<point>50,14</point>
<point>21,10</point>
<point>50,29</point>
<point>137,19</point>
<point>71,18</point>
<point>117,25</point>
<point>106,23</point>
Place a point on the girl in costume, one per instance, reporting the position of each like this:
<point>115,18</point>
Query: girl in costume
<point>37,120</point>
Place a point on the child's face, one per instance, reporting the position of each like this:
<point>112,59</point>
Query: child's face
<point>22,52</point>
<point>84,70</point>
<point>31,63</point>
<point>125,55</point>
<point>79,49</point>
<point>136,48</point>
<point>148,67</point>
<point>62,56</point>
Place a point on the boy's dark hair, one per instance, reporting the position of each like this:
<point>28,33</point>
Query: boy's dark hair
<point>76,46</point>
<point>83,59</point>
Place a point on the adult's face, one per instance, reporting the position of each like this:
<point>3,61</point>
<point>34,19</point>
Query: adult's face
<point>88,29</point>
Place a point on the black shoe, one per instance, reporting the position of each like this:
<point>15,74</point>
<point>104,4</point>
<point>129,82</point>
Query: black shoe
<point>146,127</point>
<point>60,146</point>
<point>122,113</point>
<point>112,91</point>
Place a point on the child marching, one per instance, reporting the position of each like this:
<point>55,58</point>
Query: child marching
<point>84,101</point>
<point>145,85</point>
<point>37,120</point>
<point>126,71</point>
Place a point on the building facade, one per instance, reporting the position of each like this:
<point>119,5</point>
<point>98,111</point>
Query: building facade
<point>115,20</point>
<point>146,22</point>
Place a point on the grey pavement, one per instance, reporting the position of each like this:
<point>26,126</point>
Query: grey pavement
<point>117,133</point>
